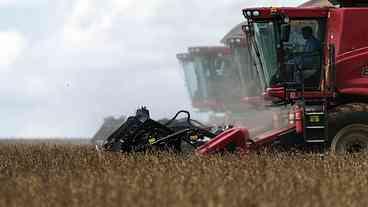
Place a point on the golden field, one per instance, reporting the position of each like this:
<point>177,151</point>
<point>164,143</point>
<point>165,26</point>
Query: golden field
<point>76,175</point>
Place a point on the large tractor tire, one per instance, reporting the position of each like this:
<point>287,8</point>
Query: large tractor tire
<point>351,139</point>
<point>348,128</point>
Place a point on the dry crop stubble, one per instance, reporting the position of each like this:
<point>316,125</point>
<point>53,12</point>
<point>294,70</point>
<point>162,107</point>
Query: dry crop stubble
<point>69,175</point>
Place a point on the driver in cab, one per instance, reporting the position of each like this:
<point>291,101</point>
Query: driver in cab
<point>312,45</point>
<point>303,53</point>
<point>309,59</point>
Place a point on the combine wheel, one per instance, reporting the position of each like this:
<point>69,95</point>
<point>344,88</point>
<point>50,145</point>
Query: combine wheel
<point>351,139</point>
<point>348,128</point>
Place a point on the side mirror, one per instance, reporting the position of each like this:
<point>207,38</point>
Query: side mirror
<point>285,32</point>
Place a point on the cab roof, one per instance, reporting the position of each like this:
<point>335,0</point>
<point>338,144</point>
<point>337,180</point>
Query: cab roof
<point>292,12</point>
<point>235,32</point>
<point>214,50</point>
<point>317,3</point>
<point>184,56</point>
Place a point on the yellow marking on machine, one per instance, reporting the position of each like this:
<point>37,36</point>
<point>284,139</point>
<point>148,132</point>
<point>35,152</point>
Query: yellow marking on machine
<point>151,140</point>
<point>314,119</point>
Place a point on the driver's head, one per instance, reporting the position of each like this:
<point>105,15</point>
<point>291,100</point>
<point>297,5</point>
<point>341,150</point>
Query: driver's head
<point>307,32</point>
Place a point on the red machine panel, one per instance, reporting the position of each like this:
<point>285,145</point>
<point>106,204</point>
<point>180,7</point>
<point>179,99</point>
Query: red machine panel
<point>351,42</point>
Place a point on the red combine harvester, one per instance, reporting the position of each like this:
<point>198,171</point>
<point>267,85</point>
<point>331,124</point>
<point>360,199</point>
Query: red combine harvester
<point>314,59</point>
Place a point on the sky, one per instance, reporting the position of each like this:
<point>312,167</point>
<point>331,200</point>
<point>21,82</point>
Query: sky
<point>65,65</point>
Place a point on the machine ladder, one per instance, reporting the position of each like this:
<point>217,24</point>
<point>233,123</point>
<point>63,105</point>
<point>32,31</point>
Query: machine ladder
<point>316,122</point>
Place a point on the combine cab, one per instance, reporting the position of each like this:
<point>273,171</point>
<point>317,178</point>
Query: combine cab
<point>212,78</point>
<point>195,81</point>
<point>220,81</point>
<point>214,72</point>
<point>209,75</point>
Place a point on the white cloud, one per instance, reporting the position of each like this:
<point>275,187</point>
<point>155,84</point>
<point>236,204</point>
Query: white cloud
<point>7,2</point>
<point>91,21</point>
<point>12,44</point>
<point>23,3</point>
<point>83,27</point>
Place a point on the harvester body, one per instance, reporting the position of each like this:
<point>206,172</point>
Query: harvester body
<point>315,59</point>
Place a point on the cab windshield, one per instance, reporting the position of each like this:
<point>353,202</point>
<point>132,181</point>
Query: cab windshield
<point>299,59</point>
<point>264,51</point>
<point>190,78</point>
<point>216,76</point>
